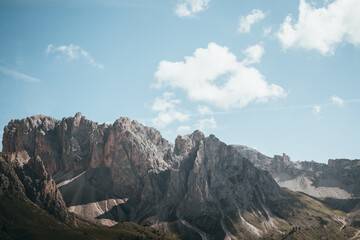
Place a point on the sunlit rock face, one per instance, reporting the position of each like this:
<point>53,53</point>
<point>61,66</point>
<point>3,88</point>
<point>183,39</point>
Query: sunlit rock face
<point>337,179</point>
<point>127,172</point>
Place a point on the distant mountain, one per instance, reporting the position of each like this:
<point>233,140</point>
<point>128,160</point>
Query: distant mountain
<point>339,178</point>
<point>198,188</point>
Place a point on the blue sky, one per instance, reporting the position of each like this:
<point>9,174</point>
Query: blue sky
<point>279,76</point>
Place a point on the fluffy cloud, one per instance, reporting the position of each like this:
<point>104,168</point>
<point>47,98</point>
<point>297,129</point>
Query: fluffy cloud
<point>247,21</point>
<point>337,100</point>
<point>324,28</point>
<point>166,108</point>
<point>316,109</point>
<point>215,76</point>
<point>73,52</point>
<point>207,123</point>
<point>253,54</point>
<point>166,102</point>
<point>188,8</point>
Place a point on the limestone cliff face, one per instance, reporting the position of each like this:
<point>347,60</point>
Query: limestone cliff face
<point>222,186</point>
<point>131,151</point>
<point>127,172</point>
<point>26,178</point>
<point>337,179</point>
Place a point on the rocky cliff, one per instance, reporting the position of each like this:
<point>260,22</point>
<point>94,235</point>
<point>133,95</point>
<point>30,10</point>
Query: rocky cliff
<point>338,179</point>
<point>125,171</point>
<point>26,178</point>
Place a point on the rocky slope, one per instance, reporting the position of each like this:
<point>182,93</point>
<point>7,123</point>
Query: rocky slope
<point>199,188</point>
<point>26,178</point>
<point>128,172</point>
<point>32,207</point>
<point>338,179</point>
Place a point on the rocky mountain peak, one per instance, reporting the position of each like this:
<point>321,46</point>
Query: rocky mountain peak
<point>129,172</point>
<point>185,144</point>
<point>78,115</point>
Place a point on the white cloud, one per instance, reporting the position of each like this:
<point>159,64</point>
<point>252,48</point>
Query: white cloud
<point>183,129</point>
<point>73,52</point>
<point>253,54</point>
<point>204,110</point>
<point>207,123</point>
<point>165,103</point>
<point>188,8</point>
<point>214,75</point>
<point>167,113</point>
<point>322,29</point>
<point>246,21</point>
<point>165,118</point>
<point>267,31</point>
<point>316,109</point>
<point>18,75</point>
<point>337,100</point>
<point>49,48</point>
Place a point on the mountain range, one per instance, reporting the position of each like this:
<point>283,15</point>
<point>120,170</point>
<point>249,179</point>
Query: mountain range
<point>90,178</point>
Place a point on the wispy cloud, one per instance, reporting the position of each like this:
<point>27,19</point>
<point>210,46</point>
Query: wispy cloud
<point>18,75</point>
<point>247,21</point>
<point>207,123</point>
<point>168,114</point>
<point>352,100</point>
<point>337,100</point>
<point>73,52</point>
<point>316,109</point>
<point>266,31</point>
<point>306,106</point>
<point>204,110</point>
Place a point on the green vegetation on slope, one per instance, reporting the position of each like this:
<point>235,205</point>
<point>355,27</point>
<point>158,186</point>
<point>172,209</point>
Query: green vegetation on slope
<point>21,219</point>
<point>314,220</point>
<point>311,219</point>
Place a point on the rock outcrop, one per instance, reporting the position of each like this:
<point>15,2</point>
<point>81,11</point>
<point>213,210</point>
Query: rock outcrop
<point>127,172</point>
<point>26,178</point>
<point>338,179</point>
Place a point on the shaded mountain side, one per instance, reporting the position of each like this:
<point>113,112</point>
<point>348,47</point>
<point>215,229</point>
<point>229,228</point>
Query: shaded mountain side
<point>26,178</point>
<point>22,219</point>
<point>350,206</point>
<point>338,179</point>
<point>346,205</point>
<point>31,207</point>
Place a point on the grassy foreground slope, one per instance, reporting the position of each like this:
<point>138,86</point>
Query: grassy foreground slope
<point>314,220</point>
<point>309,219</point>
<point>21,219</point>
